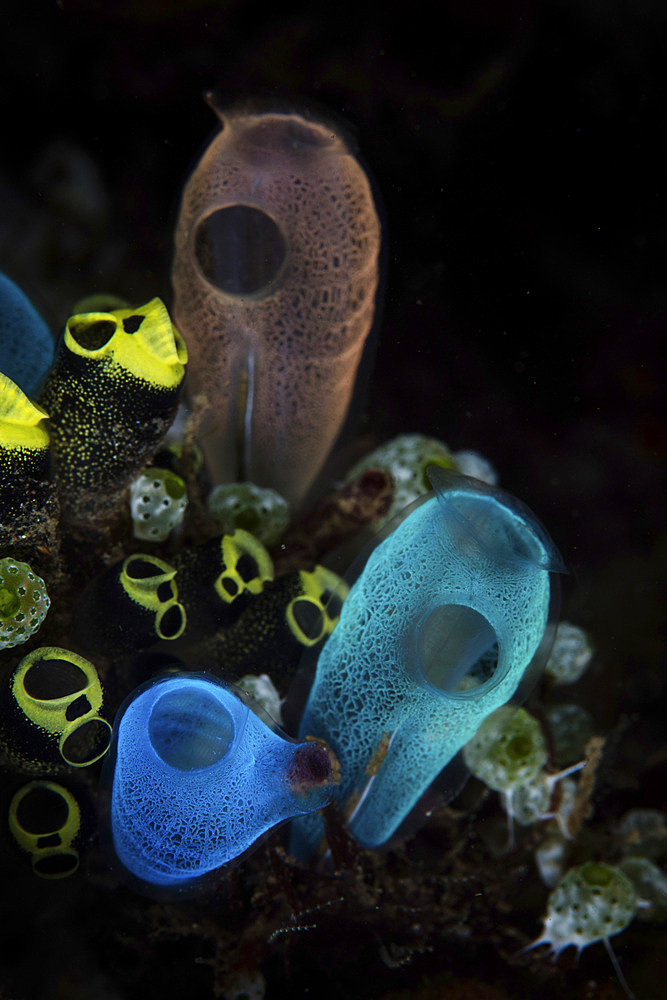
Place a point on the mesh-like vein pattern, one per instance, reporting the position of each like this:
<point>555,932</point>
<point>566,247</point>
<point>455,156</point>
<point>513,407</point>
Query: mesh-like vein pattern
<point>370,686</point>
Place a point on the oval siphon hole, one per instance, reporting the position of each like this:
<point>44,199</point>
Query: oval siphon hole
<point>190,730</point>
<point>456,643</point>
<point>57,865</point>
<point>91,334</point>
<point>87,743</point>
<point>172,622</point>
<point>46,680</point>
<point>240,249</point>
<point>41,811</point>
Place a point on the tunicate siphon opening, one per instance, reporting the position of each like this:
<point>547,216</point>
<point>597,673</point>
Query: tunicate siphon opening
<point>457,648</point>
<point>240,249</point>
<point>140,568</point>
<point>46,680</point>
<point>190,730</point>
<point>306,620</point>
<point>171,624</point>
<point>90,331</point>
<point>42,811</point>
<point>87,743</point>
<point>58,864</point>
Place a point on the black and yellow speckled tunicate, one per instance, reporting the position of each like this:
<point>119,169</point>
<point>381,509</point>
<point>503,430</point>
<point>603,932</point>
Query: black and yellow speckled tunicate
<point>45,821</point>
<point>49,712</point>
<point>111,394</point>
<point>292,613</point>
<point>27,502</point>
<point>130,607</point>
<point>218,578</point>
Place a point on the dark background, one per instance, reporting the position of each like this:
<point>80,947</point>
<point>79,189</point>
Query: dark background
<point>520,151</point>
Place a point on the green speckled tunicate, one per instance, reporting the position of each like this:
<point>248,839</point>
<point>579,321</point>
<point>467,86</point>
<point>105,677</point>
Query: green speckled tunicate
<point>259,510</point>
<point>24,602</point>
<point>508,749</point>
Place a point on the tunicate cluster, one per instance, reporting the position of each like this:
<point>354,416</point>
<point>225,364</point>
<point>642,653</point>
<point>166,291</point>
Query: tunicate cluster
<point>406,458</point>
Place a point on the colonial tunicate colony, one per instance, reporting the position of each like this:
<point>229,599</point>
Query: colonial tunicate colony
<point>447,618</point>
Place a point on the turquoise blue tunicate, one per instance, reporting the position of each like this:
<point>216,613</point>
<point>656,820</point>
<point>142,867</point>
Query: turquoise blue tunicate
<point>438,631</point>
<point>26,344</point>
<point>198,778</point>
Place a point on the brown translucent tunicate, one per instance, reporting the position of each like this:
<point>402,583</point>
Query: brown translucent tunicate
<point>275,275</point>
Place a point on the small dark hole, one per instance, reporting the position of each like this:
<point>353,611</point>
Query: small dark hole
<point>247,567</point>
<point>81,706</point>
<point>165,591</point>
<point>51,840</point>
<point>132,323</point>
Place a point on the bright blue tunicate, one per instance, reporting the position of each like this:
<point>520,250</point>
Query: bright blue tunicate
<point>437,632</point>
<point>198,778</point>
<point>26,344</point>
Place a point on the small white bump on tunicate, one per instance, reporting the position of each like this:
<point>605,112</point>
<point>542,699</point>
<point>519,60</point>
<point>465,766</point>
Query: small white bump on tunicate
<point>261,689</point>
<point>471,463</point>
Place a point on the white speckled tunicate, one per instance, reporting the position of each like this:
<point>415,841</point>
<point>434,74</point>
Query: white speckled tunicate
<point>157,503</point>
<point>24,602</point>
<point>590,903</point>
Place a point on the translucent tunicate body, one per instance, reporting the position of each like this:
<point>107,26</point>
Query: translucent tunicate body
<point>197,778</point>
<point>275,274</point>
<point>437,632</point>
